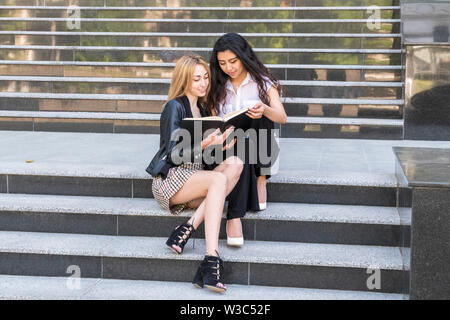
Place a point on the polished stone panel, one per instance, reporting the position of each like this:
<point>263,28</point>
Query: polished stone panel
<point>13,25</point>
<point>48,265</point>
<point>342,42</point>
<point>36,55</point>
<point>345,58</point>
<point>69,186</point>
<point>326,232</point>
<point>22,2</point>
<point>19,104</point>
<point>3,184</point>
<point>77,105</point>
<point>344,92</point>
<point>262,3</point>
<point>334,90</point>
<point>140,106</point>
<point>275,13</point>
<point>136,126</point>
<point>427,99</point>
<point>354,27</point>
<point>32,13</point>
<point>430,244</point>
<point>324,277</point>
<point>99,87</point>
<point>166,269</point>
<point>425,167</point>
<point>44,40</point>
<point>424,179</point>
<point>331,194</point>
<point>31,70</point>
<point>343,110</point>
<point>164,72</point>
<point>322,74</point>
<point>341,131</point>
<point>276,26</point>
<point>164,3</point>
<point>425,22</point>
<point>59,223</point>
<point>80,3</point>
<point>156,14</point>
<point>142,188</point>
<point>163,55</point>
<point>73,125</point>
<point>16,124</point>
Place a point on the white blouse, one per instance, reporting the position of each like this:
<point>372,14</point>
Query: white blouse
<point>247,95</point>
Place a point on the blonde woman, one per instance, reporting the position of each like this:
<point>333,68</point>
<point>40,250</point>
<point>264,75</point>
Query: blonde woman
<point>176,187</point>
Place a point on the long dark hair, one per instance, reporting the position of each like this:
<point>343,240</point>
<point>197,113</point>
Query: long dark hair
<point>241,48</point>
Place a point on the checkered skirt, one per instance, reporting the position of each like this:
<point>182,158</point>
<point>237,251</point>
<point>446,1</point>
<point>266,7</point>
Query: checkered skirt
<point>164,189</point>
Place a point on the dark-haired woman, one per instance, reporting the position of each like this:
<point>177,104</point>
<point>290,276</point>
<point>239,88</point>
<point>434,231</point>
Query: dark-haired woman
<point>240,80</point>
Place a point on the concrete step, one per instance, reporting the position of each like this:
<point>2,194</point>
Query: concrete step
<point>281,264</point>
<point>361,225</point>
<point>383,73</point>
<point>198,25</point>
<point>177,39</point>
<point>39,11</point>
<point>114,122</point>
<point>155,86</point>
<point>60,288</point>
<point>111,81</point>
<point>386,12</point>
<point>196,3</point>
<point>280,189</point>
<point>108,165</point>
<point>172,54</point>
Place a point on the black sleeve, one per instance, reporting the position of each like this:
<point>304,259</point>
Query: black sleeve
<point>170,125</point>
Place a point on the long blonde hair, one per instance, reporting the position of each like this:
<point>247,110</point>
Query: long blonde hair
<point>183,75</point>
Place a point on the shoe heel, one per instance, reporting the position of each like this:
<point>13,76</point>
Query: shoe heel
<point>198,279</point>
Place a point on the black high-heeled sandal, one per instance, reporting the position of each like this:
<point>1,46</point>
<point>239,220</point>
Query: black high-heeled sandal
<point>210,273</point>
<point>180,236</point>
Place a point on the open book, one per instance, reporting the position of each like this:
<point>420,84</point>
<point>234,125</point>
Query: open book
<point>237,118</point>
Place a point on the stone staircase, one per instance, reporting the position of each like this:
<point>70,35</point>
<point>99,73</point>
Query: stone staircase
<point>86,200</point>
<point>109,71</point>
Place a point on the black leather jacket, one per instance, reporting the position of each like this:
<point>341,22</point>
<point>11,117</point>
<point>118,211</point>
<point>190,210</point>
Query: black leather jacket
<point>174,111</point>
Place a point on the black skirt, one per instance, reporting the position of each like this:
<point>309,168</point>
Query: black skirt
<point>244,196</point>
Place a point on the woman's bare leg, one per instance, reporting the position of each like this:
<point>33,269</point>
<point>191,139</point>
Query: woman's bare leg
<point>232,168</point>
<point>214,186</point>
<point>262,189</point>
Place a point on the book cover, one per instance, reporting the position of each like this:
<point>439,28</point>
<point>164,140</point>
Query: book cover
<point>238,119</point>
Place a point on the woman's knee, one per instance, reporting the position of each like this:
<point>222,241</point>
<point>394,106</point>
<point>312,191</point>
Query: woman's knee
<point>235,164</point>
<point>218,179</point>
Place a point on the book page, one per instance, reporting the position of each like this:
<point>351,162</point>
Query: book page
<point>234,113</point>
<point>205,118</point>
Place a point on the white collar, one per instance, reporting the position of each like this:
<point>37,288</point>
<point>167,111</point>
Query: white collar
<point>247,79</point>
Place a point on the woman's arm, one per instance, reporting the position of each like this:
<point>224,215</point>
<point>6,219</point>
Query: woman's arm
<point>274,112</point>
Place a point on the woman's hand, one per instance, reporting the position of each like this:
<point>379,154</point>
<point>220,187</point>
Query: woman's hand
<point>218,138</point>
<point>257,111</point>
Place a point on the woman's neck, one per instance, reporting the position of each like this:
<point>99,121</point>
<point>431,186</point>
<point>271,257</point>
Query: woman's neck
<point>192,100</point>
<point>238,81</point>
<point>193,103</point>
